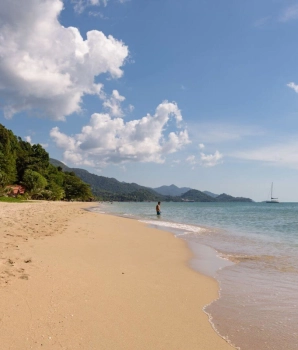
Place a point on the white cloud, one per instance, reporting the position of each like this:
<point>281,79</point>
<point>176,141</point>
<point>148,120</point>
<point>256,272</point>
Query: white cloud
<point>46,68</point>
<point>293,86</point>
<point>289,14</point>
<point>80,5</point>
<point>206,160</point>
<point>201,146</point>
<point>28,139</point>
<point>281,154</point>
<point>191,160</point>
<point>219,133</point>
<point>113,104</point>
<point>110,140</point>
<point>97,14</point>
<point>210,160</point>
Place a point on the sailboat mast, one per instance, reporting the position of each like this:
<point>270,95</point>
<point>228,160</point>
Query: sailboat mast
<point>271,190</point>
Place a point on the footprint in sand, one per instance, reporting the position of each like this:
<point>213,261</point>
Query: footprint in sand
<point>24,277</point>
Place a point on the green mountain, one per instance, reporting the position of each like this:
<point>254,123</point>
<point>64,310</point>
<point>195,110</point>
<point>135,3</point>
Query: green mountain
<point>197,196</point>
<point>213,195</point>
<point>57,163</point>
<point>171,190</point>
<point>110,189</point>
<point>227,198</point>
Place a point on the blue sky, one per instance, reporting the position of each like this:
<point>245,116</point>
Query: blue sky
<point>196,93</point>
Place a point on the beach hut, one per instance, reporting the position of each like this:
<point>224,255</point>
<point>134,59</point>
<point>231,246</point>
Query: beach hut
<point>15,190</point>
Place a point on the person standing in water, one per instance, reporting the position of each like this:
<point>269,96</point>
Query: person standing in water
<point>158,212</point>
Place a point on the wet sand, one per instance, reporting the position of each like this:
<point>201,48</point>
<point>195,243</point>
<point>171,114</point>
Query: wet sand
<point>73,279</point>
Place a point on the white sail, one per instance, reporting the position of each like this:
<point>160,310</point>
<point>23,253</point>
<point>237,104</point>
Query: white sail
<point>272,199</point>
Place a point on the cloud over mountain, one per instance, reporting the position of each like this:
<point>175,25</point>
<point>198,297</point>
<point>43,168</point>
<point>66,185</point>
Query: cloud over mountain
<point>46,68</point>
<point>111,140</point>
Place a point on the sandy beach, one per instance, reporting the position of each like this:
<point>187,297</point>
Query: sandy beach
<point>73,279</point>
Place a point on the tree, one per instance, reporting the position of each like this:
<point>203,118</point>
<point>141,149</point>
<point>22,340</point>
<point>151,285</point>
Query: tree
<point>34,182</point>
<point>75,188</point>
<point>8,155</point>
<point>21,162</point>
<point>55,192</point>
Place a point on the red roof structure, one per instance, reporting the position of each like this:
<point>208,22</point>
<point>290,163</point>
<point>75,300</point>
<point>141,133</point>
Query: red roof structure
<point>15,190</point>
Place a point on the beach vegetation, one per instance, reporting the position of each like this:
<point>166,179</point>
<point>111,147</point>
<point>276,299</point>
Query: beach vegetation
<point>110,189</point>
<point>22,163</point>
<point>11,199</point>
<point>35,183</point>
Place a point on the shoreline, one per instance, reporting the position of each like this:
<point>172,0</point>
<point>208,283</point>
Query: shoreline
<point>85,280</point>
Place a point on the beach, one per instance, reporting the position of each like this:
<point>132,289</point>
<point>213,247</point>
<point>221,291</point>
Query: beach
<point>74,279</point>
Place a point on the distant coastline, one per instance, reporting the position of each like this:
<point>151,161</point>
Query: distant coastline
<point>109,189</point>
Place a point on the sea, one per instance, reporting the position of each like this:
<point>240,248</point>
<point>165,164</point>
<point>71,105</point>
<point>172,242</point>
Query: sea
<point>251,249</point>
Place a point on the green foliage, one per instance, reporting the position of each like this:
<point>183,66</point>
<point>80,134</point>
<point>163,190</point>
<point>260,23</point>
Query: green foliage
<point>3,189</point>
<point>8,155</point>
<point>197,196</point>
<point>54,192</point>
<point>23,163</point>
<point>35,183</point>
<point>75,188</point>
<point>227,198</point>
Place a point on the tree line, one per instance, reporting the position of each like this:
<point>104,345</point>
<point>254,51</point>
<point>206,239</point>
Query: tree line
<point>28,165</point>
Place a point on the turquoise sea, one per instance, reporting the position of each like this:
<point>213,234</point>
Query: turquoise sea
<point>252,250</point>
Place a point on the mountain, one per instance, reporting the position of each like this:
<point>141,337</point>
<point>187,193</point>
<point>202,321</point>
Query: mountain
<point>227,198</point>
<point>57,163</point>
<point>171,190</point>
<point>213,195</point>
<point>110,189</point>
<point>197,196</point>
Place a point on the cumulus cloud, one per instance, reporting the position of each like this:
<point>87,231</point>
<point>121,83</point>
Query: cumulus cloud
<point>206,160</point>
<point>210,160</point>
<point>113,104</point>
<point>110,140</point>
<point>201,146</point>
<point>47,68</point>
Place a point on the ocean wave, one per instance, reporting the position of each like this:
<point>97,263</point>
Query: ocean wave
<point>182,227</point>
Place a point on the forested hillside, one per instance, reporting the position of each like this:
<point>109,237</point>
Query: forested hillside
<point>171,190</point>
<point>110,189</point>
<point>28,165</point>
<point>197,196</point>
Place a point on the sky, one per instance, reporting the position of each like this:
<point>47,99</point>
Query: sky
<point>196,93</point>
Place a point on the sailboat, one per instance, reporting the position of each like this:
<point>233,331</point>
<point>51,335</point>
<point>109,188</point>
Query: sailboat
<point>273,200</point>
